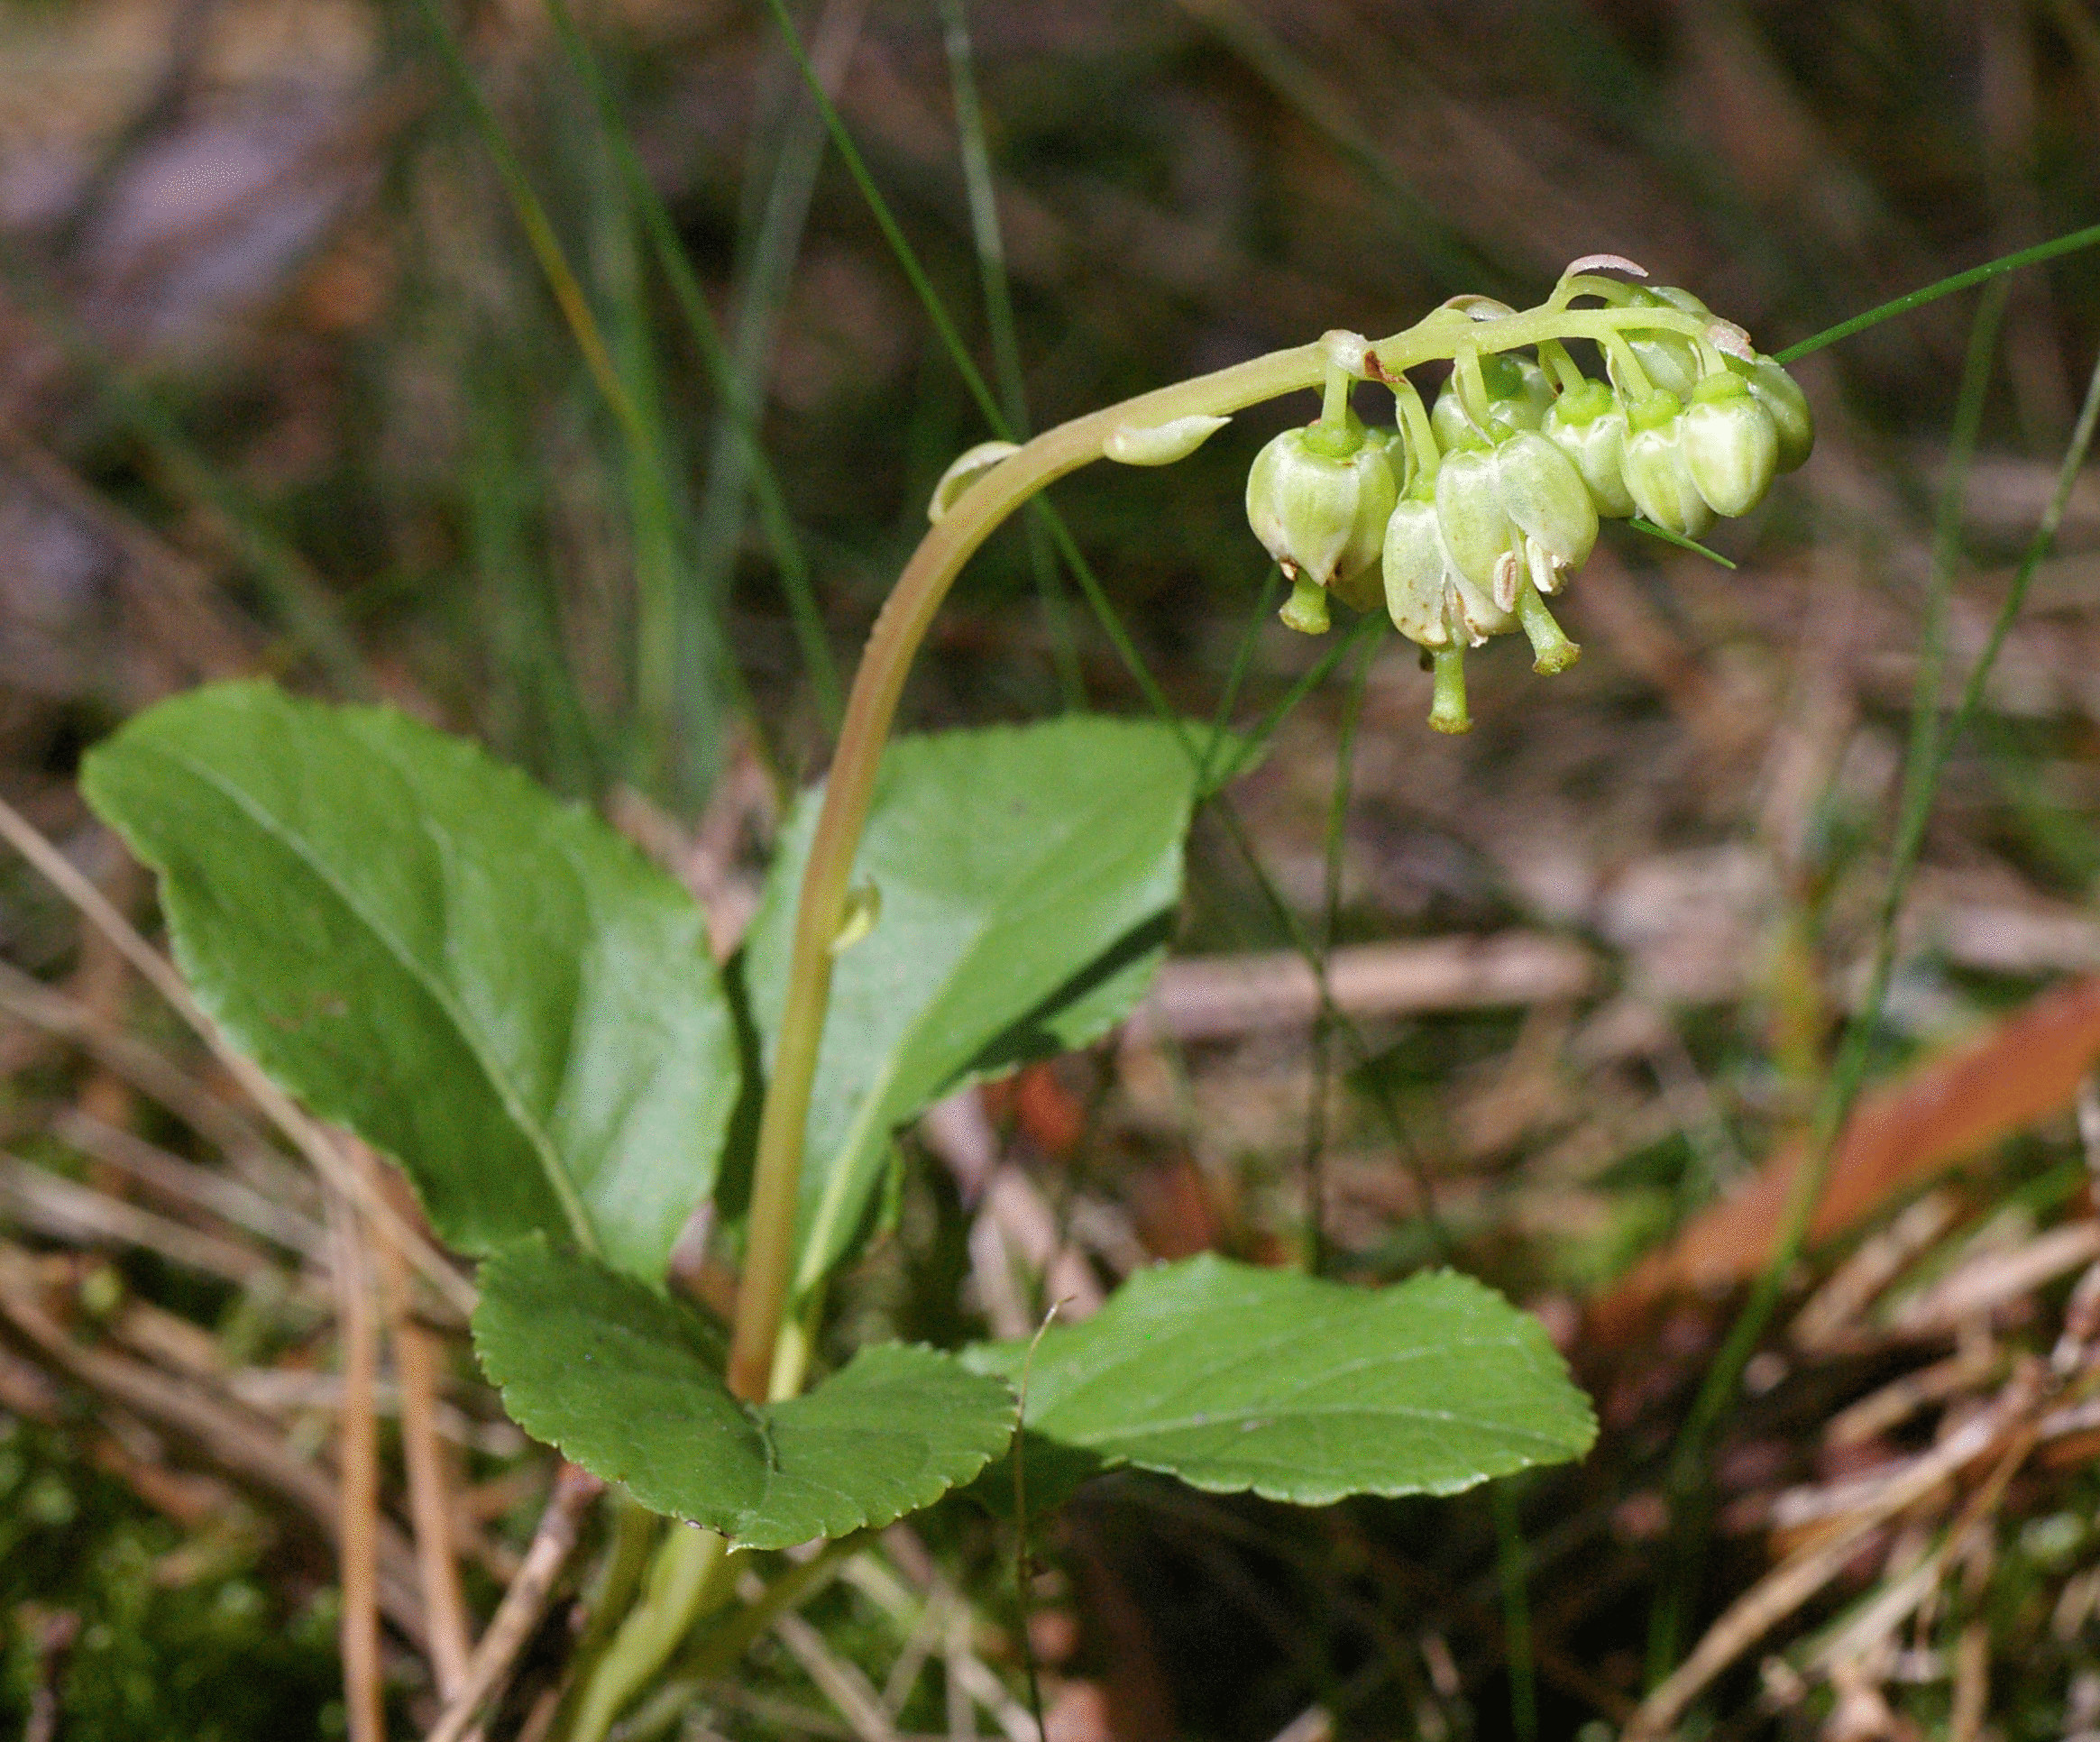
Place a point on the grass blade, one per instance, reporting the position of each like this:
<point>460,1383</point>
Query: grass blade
<point>1902,305</point>
<point>976,168</point>
<point>1921,765</point>
<point>737,407</point>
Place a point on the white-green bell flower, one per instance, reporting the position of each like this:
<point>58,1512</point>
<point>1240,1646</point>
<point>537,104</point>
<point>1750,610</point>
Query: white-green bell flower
<point>1588,425</point>
<point>1475,527</point>
<point>1657,476</point>
<point>1785,404</point>
<point>1549,505</point>
<point>1417,573</point>
<point>1317,498</point>
<point>1731,445</point>
<point>1356,581</point>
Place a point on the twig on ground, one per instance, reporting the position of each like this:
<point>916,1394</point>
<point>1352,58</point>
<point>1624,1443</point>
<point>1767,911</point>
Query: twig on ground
<point>306,1135</point>
<point>1991,1279</point>
<point>358,1464</point>
<point>244,1447</point>
<point>1212,998</point>
<point>970,1681</point>
<point>841,1682</point>
<point>66,1210</point>
<point>178,1181</point>
<point>28,1000</point>
<point>1794,1581</point>
<point>524,1602</point>
<point>419,1358</point>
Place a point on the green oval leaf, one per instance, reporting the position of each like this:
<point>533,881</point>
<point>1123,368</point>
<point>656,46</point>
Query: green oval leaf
<point>1027,879</point>
<point>1234,1378</point>
<point>487,984</point>
<point>628,1384</point>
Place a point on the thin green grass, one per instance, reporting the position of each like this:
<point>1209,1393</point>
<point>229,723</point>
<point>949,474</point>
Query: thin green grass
<point>991,249</point>
<point>1921,765</point>
<point>1313,1168</point>
<point>738,408</point>
<point>767,249</point>
<point>686,684</point>
<point>1947,287</point>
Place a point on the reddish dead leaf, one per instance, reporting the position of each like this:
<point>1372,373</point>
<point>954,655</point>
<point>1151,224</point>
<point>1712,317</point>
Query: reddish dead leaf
<point>1950,1109</point>
<point>1169,1202</point>
<point>1048,1113</point>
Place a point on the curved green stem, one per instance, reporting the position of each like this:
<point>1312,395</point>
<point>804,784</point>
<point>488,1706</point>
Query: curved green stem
<point>1422,449</point>
<point>870,707</point>
<point>1628,368</point>
<point>690,1575</point>
<point>1334,398</point>
<point>1472,386</point>
<point>1554,354</point>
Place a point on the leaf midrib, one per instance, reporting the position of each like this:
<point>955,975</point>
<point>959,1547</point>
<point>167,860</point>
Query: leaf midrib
<point>507,1094</point>
<point>876,1101</point>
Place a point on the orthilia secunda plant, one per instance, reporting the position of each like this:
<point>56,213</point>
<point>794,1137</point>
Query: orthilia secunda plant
<point>1466,519</point>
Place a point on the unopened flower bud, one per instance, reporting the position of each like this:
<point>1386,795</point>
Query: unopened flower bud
<point>1670,359</point>
<point>1520,395</point>
<point>1657,476</point>
<point>1319,497</point>
<point>1547,501</point>
<point>1730,448</point>
<point>1588,425</point>
<point>1786,404</point>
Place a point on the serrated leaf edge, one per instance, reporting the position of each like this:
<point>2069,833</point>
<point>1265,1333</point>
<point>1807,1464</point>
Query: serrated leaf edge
<point>760,1418</point>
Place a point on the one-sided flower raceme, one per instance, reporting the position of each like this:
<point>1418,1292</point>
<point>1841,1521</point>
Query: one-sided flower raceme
<point>1491,502</point>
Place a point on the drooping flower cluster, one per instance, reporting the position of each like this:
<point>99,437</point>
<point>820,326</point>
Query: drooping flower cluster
<point>1476,512</point>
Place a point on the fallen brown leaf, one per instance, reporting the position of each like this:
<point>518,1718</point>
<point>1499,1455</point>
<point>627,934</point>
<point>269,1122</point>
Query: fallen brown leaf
<point>1949,1109</point>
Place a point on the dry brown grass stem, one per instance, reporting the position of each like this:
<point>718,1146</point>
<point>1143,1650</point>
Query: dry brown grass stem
<point>30,1001</point>
<point>305,1134</point>
<point>240,1444</point>
<point>418,1368</point>
<point>358,1473</point>
<point>840,1682</point>
<point>525,1601</point>
<point>64,1209</point>
<point>176,1181</point>
<point>1796,1579</point>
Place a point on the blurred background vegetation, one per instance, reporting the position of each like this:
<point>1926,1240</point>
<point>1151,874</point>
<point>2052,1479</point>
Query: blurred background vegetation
<point>555,379</point>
